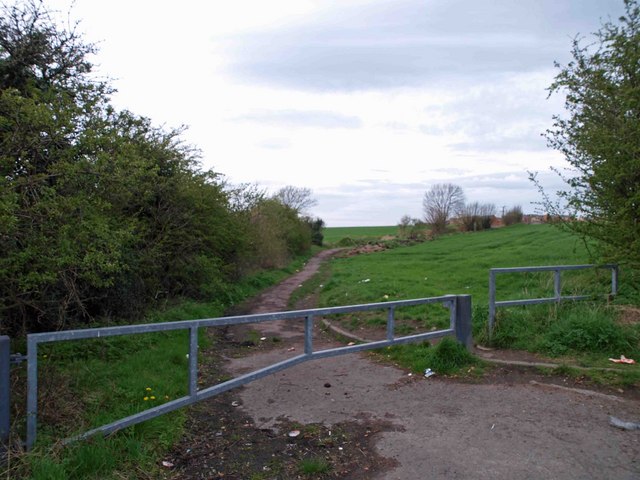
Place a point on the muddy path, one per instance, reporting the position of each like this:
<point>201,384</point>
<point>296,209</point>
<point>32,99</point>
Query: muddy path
<point>513,424</point>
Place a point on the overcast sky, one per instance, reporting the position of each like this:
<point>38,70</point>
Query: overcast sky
<point>366,102</point>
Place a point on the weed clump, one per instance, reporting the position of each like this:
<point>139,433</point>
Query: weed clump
<point>447,357</point>
<point>311,466</point>
<point>588,330</point>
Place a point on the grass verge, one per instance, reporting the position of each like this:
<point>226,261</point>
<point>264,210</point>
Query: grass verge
<point>86,384</point>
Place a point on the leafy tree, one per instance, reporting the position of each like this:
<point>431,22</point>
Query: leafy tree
<point>276,233</point>
<point>100,212</point>
<point>441,202</point>
<point>600,138</point>
<point>316,225</point>
<point>299,199</point>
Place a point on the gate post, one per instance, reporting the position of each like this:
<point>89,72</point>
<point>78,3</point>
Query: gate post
<point>5,385</point>
<point>462,324</point>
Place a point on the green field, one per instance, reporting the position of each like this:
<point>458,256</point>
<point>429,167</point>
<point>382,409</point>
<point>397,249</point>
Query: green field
<point>454,264</point>
<point>333,235</point>
<point>460,263</point>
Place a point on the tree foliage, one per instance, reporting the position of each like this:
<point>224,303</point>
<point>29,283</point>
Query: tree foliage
<point>441,202</point>
<point>599,136</point>
<point>101,213</point>
<point>299,199</point>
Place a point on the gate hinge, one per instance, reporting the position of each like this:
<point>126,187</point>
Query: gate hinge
<point>16,358</point>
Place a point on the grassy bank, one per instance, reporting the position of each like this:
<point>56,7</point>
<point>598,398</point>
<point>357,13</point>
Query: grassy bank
<point>88,383</point>
<point>584,333</point>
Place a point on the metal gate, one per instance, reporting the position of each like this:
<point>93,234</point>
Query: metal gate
<point>459,326</point>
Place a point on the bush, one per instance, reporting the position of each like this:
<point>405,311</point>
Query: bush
<point>513,216</point>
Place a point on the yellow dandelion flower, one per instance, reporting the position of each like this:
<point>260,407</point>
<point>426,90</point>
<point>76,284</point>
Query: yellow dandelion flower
<point>148,389</point>
<point>146,398</point>
<point>152,397</point>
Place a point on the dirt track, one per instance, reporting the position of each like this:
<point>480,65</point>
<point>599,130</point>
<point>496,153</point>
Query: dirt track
<point>440,428</point>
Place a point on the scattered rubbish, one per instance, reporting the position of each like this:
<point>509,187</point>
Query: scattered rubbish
<point>623,359</point>
<point>327,385</point>
<point>429,373</point>
<point>321,285</point>
<point>167,464</point>
<point>235,404</point>
<point>187,355</point>
<point>263,338</point>
<point>218,434</point>
<point>350,344</point>
<point>294,433</point>
<point>410,374</point>
<point>291,349</point>
<point>616,422</point>
<point>366,280</point>
<point>493,426</point>
<point>340,448</point>
<point>386,297</point>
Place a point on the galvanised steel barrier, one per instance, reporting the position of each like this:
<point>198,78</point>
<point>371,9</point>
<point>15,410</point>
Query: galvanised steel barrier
<point>459,325</point>
<point>558,297</point>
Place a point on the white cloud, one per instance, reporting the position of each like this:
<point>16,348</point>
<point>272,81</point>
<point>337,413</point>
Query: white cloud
<point>325,94</point>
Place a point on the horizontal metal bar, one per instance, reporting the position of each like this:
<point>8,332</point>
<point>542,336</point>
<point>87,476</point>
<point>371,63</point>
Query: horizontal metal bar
<point>188,400</point>
<point>533,301</point>
<point>134,419</point>
<point>548,268</point>
<point>222,321</point>
<point>332,352</point>
<point>251,376</point>
<point>17,358</point>
<point>247,378</point>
